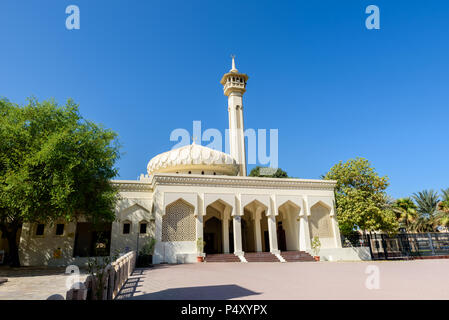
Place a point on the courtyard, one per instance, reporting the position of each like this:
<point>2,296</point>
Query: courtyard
<point>418,279</point>
<point>423,279</point>
<point>34,283</point>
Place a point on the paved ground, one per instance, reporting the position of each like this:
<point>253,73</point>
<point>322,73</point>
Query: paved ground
<point>27,283</point>
<point>426,279</point>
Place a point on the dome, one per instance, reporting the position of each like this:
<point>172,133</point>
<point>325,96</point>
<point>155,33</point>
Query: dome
<point>194,159</point>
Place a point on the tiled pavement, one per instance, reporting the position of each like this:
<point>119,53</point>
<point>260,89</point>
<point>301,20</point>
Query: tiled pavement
<point>33,283</point>
<point>423,279</point>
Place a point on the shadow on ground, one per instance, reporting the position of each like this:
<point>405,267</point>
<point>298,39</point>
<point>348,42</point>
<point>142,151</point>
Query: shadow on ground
<point>218,292</point>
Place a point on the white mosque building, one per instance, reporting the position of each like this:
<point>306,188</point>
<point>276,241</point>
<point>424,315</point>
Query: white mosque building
<point>196,192</point>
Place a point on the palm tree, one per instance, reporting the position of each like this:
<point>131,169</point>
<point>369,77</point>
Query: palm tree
<point>445,194</point>
<point>405,210</point>
<point>424,224</point>
<point>427,201</point>
<point>443,209</point>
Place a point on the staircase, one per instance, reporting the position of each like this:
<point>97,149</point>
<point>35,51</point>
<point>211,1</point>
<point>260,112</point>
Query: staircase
<point>222,257</point>
<point>296,256</point>
<point>260,257</point>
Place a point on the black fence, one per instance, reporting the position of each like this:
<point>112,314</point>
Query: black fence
<point>401,246</point>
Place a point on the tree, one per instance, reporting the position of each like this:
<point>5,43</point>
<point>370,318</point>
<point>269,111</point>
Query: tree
<point>406,213</point>
<point>442,216</point>
<point>426,201</point>
<point>268,172</point>
<point>53,165</point>
<point>362,203</point>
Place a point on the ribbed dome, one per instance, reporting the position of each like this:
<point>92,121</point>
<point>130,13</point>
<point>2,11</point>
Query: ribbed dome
<point>194,159</point>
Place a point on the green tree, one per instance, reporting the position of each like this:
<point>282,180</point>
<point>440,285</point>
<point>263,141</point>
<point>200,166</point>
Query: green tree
<point>426,202</point>
<point>270,172</point>
<point>53,165</point>
<point>442,216</point>
<point>406,213</point>
<point>362,203</point>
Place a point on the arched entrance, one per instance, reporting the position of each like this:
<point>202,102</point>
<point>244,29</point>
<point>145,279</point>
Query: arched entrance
<point>213,236</point>
<point>287,224</point>
<point>217,228</point>
<point>253,227</point>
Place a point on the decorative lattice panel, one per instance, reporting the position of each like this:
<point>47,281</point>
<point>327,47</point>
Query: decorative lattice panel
<point>178,223</point>
<point>320,222</point>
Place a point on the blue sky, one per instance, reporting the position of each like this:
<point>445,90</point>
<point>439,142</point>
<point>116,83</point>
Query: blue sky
<point>334,89</point>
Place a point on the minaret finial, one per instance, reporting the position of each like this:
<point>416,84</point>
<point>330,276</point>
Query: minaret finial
<point>233,69</point>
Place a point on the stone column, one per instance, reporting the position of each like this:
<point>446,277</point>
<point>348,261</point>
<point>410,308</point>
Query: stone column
<point>237,227</point>
<point>304,231</point>
<point>272,233</point>
<point>257,232</point>
<point>225,229</point>
<point>199,226</point>
<point>335,229</point>
<point>304,234</point>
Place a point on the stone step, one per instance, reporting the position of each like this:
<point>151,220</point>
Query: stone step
<point>296,256</point>
<point>260,257</point>
<point>222,257</point>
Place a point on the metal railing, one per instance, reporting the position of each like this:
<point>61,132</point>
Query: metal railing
<point>401,246</point>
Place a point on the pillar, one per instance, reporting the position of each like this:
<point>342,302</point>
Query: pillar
<point>257,232</point>
<point>225,229</point>
<point>199,226</point>
<point>272,233</point>
<point>335,228</point>
<point>237,228</point>
<point>304,231</point>
<point>304,234</point>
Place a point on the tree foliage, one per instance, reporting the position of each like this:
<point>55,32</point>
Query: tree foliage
<point>53,165</point>
<point>442,216</point>
<point>406,213</point>
<point>426,206</point>
<point>362,203</point>
<point>426,202</point>
<point>270,172</point>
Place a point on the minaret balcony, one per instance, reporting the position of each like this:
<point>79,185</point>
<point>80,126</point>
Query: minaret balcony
<point>234,86</point>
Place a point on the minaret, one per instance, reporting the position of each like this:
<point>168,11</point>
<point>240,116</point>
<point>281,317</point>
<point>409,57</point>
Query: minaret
<point>234,84</point>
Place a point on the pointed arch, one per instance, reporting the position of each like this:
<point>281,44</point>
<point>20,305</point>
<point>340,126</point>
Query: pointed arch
<point>178,222</point>
<point>320,223</point>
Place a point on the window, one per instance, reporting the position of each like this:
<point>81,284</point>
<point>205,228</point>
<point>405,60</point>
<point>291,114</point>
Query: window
<point>60,229</point>
<point>40,229</point>
<point>92,241</point>
<point>126,228</point>
<point>143,228</point>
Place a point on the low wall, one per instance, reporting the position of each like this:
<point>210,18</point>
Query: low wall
<point>115,275</point>
<point>175,252</point>
<point>345,254</point>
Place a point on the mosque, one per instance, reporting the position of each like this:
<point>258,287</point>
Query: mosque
<point>194,192</point>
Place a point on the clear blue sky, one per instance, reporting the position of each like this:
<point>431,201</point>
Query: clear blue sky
<point>334,89</point>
